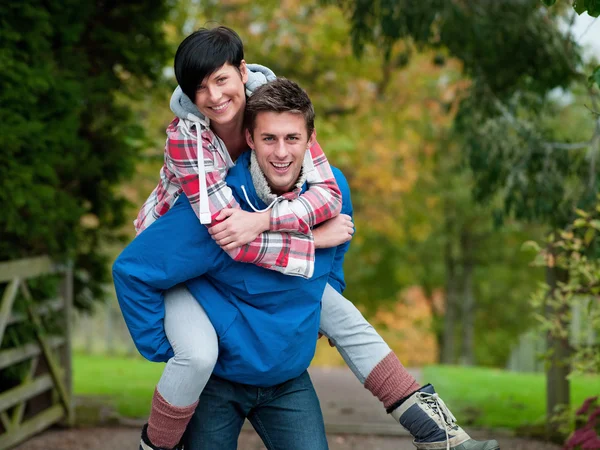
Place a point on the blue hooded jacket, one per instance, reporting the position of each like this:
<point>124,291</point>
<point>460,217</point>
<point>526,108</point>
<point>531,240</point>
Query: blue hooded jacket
<point>267,322</point>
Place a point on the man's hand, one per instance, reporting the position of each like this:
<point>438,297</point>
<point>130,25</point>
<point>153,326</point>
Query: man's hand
<point>334,232</point>
<point>238,227</point>
<point>331,344</point>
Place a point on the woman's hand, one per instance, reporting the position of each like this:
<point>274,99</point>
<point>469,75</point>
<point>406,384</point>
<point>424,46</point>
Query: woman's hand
<point>238,227</point>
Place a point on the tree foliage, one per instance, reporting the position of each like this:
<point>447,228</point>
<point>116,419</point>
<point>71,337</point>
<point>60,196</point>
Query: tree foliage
<point>517,59</point>
<point>592,7</point>
<point>510,44</point>
<point>576,250</point>
<point>66,139</point>
<point>515,54</point>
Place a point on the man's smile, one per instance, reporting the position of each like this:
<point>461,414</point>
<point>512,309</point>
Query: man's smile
<point>281,167</point>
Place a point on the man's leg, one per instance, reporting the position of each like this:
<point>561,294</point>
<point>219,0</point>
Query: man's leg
<point>419,410</point>
<point>195,344</point>
<point>219,416</point>
<point>289,417</point>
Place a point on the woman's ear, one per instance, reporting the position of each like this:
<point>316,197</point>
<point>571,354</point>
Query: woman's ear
<point>244,71</point>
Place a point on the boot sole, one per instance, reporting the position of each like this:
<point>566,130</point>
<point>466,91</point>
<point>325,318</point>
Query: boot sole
<point>495,448</point>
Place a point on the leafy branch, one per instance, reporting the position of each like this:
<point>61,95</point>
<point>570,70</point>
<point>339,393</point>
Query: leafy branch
<point>592,7</point>
<point>573,250</point>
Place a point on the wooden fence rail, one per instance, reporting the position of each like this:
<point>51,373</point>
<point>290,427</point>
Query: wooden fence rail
<point>44,395</point>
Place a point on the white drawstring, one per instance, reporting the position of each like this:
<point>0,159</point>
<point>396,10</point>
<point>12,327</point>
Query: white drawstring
<point>438,405</point>
<point>252,206</point>
<point>203,204</point>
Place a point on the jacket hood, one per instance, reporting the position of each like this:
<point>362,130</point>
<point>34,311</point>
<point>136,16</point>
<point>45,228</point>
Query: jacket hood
<point>239,176</point>
<point>248,182</point>
<point>184,108</point>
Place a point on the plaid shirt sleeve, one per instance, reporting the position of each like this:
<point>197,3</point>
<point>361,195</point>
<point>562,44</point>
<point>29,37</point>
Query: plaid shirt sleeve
<point>321,201</point>
<point>145,217</point>
<point>160,200</point>
<point>288,253</point>
<point>182,159</point>
<point>180,174</point>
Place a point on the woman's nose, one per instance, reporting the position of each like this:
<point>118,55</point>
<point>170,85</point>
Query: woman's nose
<point>214,93</point>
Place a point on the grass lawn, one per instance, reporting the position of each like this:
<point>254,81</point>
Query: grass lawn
<point>128,383</point>
<point>498,399</point>
<point>477,396</point>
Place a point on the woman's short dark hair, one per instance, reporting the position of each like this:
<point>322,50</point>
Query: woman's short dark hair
<point>280,95</point>
<point>203,52</point>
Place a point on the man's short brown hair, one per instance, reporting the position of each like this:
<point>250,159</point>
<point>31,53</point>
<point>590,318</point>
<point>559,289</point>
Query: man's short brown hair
<point>280,95</point>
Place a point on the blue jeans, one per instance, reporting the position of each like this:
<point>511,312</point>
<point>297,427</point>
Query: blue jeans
<point>286,417</point>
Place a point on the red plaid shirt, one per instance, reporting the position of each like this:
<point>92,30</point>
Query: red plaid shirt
<point>288,247</point>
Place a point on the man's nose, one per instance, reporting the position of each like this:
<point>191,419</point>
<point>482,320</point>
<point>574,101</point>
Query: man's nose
<point>281,151</point>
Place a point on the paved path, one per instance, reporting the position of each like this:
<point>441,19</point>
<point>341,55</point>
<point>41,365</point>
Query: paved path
<point>354,420</point>
<point>128,439</point>
<point>348,407</point>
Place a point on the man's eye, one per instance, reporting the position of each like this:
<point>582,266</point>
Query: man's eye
<point>267,139</point>
<point>293,138</point>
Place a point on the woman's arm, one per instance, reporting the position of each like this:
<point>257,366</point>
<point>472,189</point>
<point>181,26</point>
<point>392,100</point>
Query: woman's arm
<point>288,253</point>
<point>320,202</point>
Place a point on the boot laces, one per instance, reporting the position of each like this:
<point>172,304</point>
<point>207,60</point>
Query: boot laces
<point>438,406</point>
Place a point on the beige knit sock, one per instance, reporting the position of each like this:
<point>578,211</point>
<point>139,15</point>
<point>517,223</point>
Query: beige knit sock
<point>167,423</point>
<point>389,381</point>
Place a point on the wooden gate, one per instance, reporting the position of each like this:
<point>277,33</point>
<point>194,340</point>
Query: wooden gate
<point>44,395</point>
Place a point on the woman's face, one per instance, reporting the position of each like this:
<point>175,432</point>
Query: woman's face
<point>221,96</point>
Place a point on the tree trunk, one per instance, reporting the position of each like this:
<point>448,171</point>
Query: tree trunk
<point>448,344</point>
<point>467,355</point>
<point>557,383</point>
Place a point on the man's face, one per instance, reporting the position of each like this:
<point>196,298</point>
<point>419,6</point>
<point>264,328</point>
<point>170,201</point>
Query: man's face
<point>221,96</point>
<point>280,141</point>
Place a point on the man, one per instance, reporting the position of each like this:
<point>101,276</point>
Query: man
<point>267,323</point>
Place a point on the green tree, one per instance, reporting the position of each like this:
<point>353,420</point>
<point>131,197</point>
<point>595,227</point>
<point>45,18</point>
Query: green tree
<point>67,137</point>
<point>515,55</point>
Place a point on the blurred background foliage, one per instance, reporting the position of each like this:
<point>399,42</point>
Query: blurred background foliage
<point>67,142</point>
<point>464,128</point>
<point>411,100</point>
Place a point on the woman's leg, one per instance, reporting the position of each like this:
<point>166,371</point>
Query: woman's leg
<point>195,345</point>
<point>364,350</point>
<point>419,410</point>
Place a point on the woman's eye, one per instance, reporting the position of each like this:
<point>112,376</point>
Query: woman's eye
<point>221,80</point>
